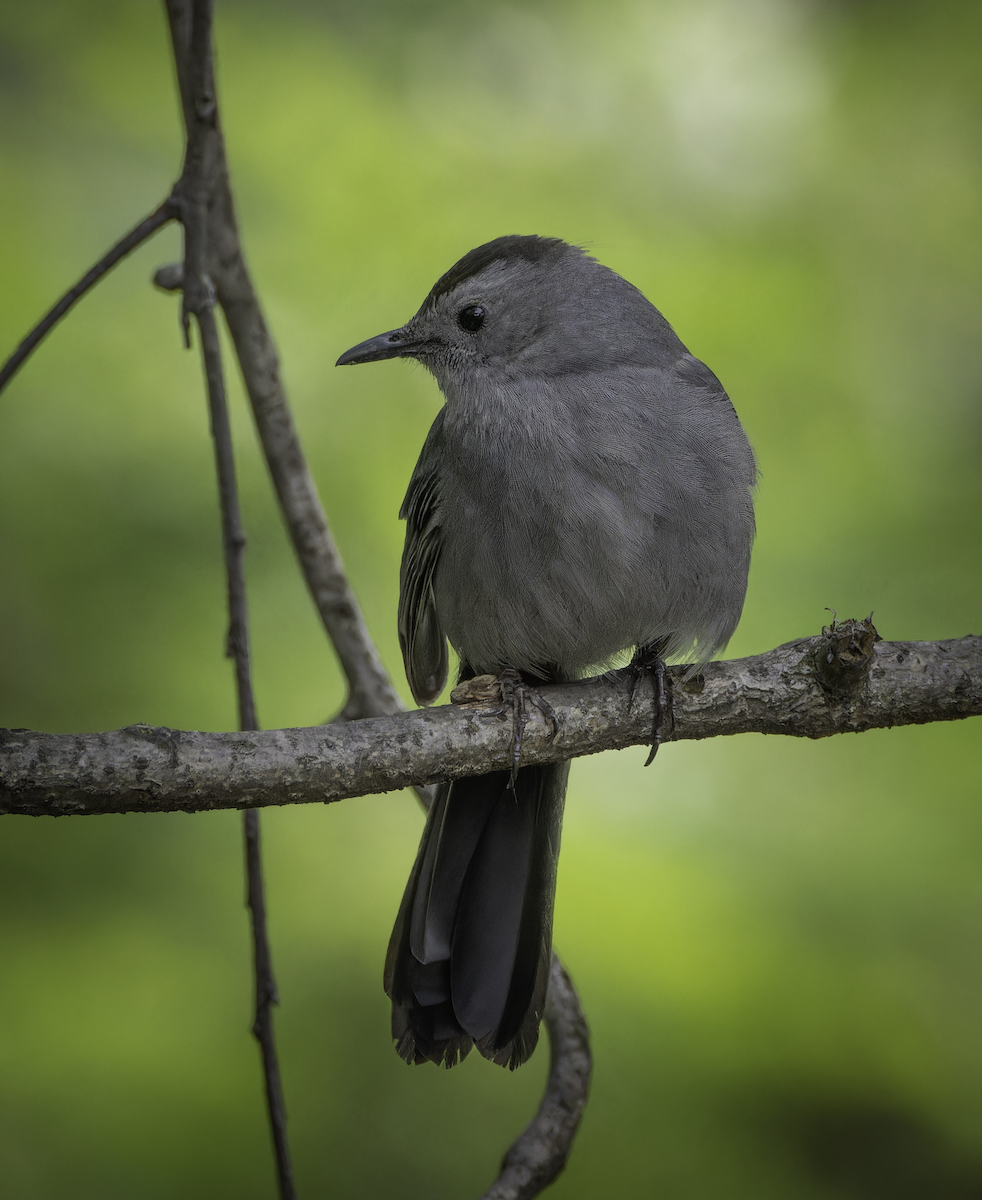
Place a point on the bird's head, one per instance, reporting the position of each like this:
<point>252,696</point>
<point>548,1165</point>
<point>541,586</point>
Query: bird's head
<point>526,306</point>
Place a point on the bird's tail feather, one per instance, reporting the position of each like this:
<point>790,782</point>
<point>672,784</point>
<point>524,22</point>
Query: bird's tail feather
<point>468,961</point>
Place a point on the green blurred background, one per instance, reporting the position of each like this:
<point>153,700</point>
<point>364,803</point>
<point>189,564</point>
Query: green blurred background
<point>777,944</point>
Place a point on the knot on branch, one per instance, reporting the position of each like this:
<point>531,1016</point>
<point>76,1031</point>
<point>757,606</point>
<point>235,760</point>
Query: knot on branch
<point>206,109</point>
<point>843,654</point>
<point>170,277</point>
<point>479,689</point>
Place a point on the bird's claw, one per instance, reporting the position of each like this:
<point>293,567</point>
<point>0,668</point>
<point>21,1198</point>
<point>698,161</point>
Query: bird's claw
<point>517,695</point>
<point>648,661</point>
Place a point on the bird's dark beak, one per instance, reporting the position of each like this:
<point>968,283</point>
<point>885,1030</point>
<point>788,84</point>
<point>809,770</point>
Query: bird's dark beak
<point>397,343</point>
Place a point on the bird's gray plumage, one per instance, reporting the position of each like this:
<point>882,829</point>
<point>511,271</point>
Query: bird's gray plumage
<point>586,489</point>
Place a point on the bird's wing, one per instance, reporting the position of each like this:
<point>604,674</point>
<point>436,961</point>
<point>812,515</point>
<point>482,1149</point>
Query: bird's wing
<point>693,371</point>
<point>424,645</point>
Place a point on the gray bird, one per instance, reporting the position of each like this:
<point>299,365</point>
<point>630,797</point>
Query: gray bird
<point>586,489</point>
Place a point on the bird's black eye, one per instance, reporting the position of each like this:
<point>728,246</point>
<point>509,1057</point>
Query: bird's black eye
<point>472,317</point>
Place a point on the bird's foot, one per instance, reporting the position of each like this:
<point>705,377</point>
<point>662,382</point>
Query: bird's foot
<point>648,662</point>
<point>518,696</point>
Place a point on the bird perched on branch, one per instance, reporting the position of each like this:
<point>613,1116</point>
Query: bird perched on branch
<point>586,489</point>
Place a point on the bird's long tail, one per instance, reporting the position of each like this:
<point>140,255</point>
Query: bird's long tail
<point>468,961</point>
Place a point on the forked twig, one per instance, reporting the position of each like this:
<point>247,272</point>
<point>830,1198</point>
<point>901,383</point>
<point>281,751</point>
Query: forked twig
<point>191,196</point>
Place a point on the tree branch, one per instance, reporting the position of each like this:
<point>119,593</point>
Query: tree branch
<point>785,691</point>
<point>538,1156</point>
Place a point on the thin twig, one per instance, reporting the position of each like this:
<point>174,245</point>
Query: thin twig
<point>233,536</point>
<point>234,543</point>
<point>149,225</point>
<point>266,997</point>
<point>193,189</point>
<point>237,648</point>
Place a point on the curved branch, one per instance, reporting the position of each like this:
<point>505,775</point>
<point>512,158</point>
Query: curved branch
<point>149,225</point>
<point>370,691</point>
<point>786,691</point>
<point>538,1156</point>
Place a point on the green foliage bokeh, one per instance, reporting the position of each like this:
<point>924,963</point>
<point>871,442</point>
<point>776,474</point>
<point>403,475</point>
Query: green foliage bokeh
<point>776,944</point>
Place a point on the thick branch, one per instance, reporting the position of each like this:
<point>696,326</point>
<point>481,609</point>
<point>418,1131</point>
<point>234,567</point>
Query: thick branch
<point>144,769</point>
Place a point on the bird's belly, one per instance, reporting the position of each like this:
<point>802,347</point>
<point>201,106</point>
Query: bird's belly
<point>545,594</point>
<point>564,569</point>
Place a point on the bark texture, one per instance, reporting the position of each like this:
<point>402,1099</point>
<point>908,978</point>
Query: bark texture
<point>813,688</point>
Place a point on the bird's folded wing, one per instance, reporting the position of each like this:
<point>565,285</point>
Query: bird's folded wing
<point>424,645</point>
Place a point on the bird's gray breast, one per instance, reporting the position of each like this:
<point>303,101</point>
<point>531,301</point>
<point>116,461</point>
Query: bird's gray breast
<point>584,514</point>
